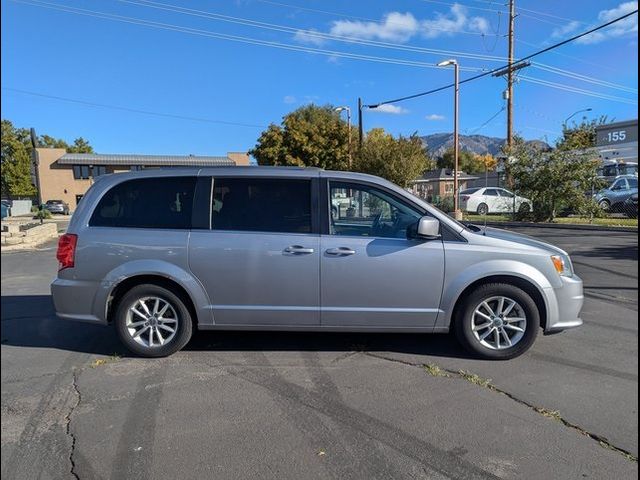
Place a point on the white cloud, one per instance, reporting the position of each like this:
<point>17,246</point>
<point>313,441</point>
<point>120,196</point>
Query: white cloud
<point>400,27</point>
<point>289,99</point>
<point>434,117</point>
<point>392,109</point>
<point>394,27</point>
<point>306,36</point>
<point>456,20</point>
<point>565,30</point>
<point>620,29</point>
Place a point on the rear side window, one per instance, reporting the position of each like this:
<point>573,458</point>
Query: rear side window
<point>491,192</point>
<point>261,205</point>
<point>633,182</point>
<point>165,202</point>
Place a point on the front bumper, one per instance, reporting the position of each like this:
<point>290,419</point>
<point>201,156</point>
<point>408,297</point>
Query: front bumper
<point>564,306</point>
<point>73,299</point>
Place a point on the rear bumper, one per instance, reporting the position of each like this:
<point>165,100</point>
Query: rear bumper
<point>569,299</point>
<point>74,299</point>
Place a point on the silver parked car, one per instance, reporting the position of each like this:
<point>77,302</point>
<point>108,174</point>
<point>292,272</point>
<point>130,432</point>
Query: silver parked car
<point>160,253</point>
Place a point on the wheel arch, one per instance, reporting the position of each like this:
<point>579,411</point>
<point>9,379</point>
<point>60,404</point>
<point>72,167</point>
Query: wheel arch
<point>529,287</point>
<point>161,273</point>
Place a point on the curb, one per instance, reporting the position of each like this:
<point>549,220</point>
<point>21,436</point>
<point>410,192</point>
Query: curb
<point>565,226</point>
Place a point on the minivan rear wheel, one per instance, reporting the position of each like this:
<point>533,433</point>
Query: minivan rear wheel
<point>151,321</point>
<point>497,321</point>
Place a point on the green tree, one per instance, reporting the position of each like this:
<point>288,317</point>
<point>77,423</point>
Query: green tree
<point>580,136</point>
<point>80,145</point>
<point>468,162</point>
<point>400,160</point>
<point>311,136</point>
<point>15,162</point>
<point>554,180</point>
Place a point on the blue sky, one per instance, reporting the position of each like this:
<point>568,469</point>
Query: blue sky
<point>187,67</point>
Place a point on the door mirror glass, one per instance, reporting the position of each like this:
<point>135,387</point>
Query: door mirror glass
<point>427,228</point>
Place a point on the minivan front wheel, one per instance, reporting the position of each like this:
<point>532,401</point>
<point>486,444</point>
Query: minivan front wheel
<point>498,321</point>
<point>151,321</point>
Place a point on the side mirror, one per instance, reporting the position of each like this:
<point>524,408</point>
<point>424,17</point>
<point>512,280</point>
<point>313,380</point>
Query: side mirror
<point>427,228</point>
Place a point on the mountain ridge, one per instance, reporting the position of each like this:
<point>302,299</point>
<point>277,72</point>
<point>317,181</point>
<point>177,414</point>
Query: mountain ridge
<point>438,143</point>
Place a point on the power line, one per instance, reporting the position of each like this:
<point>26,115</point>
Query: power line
<point>223,36</point>
<point>528,57</point>
<point>132,110</point>
<point>582,91</point>
<point>306,32</point>
<point>584,78</point>
<point>355,17</point>
<point>488,121</point>
<point>320,35</point>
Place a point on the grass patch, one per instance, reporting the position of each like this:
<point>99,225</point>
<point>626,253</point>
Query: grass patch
<point>545,412</point>
<point>605,222</point>
<point>475,379</point>
<point>435,370</point>
<point>98,362</point>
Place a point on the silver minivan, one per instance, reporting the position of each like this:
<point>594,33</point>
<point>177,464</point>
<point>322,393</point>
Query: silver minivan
<point>160,253</point>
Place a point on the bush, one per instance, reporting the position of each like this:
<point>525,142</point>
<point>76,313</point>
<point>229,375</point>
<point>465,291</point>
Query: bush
<point>42,214</point>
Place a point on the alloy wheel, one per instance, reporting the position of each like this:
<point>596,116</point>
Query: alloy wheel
<point>499,323</point>
<point>151,322</point>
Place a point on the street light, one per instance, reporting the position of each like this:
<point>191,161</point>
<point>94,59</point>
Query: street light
<point>456,207</point>
<point>575,113</point>
<point>348,110</point>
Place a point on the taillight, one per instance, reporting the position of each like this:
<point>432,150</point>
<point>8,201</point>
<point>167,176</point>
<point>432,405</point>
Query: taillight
<point>66,250</point>
<point>464,198</point>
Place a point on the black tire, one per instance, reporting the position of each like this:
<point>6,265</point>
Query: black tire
<point>605,205</point>
<point>465,315</point>
<point>183,330</point>
<point>524,208</point>
<point>483,209</point>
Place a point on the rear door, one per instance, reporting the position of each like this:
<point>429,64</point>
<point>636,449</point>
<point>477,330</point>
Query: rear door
<point>492,199</point>
<point>372,275</point>
<point>259,261</point>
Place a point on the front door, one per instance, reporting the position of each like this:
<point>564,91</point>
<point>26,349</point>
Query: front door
<point>259,262</point>
<point>372,275</point>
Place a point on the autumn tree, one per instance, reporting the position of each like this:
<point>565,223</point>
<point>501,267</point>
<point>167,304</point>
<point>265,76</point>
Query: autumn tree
<point>400,160</point>
<point>468,162</point>
<point>311,136</point>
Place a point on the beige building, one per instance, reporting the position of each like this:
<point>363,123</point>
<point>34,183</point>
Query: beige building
<point>67,176</point>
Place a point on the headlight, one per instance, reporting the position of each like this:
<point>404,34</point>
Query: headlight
<point>562,265</point>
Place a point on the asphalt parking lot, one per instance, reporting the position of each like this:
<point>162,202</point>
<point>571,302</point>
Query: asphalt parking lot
<point>282,405</point>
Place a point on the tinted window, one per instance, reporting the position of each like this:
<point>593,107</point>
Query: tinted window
<point>261,205</point>
<point>505,193</point>
<point>99,170</point>
<point>491,192</point>
<point>147,203</point>
<point>633,182</point>
<point>369,212</point>
<point>81,172</point>
<point>619,185</point>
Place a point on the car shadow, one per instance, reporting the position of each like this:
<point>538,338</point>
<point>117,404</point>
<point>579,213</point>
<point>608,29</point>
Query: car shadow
<point>30,321</point>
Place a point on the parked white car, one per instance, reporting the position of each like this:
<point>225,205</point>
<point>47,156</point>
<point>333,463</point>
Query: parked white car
<point>492,200</point>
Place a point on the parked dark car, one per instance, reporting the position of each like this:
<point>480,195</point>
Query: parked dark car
<point>631,206</point>
<point>57,206</point>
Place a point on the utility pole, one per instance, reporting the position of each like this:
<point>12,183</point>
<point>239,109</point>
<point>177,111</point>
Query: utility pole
<point>360,129</point>
<point>512,16</point>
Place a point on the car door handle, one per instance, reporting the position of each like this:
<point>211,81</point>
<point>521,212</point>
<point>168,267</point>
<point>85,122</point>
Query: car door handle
<point>297,250</point>
<point>340,251</point>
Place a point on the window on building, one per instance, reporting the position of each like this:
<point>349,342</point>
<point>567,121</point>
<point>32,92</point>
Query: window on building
<point>137,168</point>
<point>99,170</point>
<point>81,172</point>
<point>261,205</point>
<point>147,203</point>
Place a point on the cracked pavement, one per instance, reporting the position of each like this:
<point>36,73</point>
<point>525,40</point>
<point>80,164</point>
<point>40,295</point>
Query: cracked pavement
<point>285,405</point>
